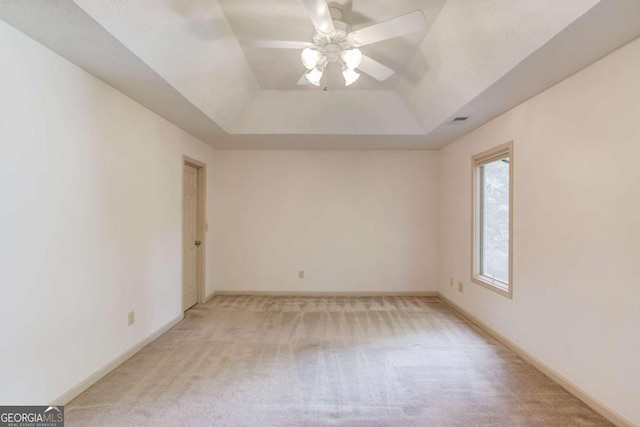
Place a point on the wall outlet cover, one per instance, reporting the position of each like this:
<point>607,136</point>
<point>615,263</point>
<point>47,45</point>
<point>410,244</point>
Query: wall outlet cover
<point>460,287</point>
<point>301,274</point>
<point>132,317</point>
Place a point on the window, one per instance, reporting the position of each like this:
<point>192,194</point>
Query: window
<point>492,219</point>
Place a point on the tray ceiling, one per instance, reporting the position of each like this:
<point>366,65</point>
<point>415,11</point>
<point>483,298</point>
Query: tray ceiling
<point>183,59</point>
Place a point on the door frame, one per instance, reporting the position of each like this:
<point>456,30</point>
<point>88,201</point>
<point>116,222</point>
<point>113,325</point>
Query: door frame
<point>201,225</point>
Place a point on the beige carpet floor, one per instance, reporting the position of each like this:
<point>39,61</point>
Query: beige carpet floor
<point>326,361</point>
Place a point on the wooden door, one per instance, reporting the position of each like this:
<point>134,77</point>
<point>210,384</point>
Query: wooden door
<point>190,243</point>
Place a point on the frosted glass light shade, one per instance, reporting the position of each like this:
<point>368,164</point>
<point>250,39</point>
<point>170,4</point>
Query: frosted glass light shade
<point>350,76</point>
<point>351,58</point>
<point>310,58</point>
<point>314,76</point>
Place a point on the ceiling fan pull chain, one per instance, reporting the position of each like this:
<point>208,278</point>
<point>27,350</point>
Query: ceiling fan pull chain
<point>326,84</point>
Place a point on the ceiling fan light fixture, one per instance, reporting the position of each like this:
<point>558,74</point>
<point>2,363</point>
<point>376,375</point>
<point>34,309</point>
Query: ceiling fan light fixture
<point>350,76</point>
<point>351,58</point>
<point>314,76</point>
<point>310,58</point>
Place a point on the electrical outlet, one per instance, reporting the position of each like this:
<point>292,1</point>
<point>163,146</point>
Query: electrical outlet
<point>460,287</point>
<point>301,274</point>
<point>451,282</point>
<point>132,317</point>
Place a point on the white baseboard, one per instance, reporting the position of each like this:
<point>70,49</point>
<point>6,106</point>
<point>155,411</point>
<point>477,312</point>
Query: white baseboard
<point>327,294</point>
<point>588,399</point>
<point>74,391</point>
<point>208,297</point>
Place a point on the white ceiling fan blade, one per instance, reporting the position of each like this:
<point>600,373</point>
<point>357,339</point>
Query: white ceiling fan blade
<point>274,44</point>
<point>320,15</point>
<point>303,80</point>
<point>375,69</point>
<point>394,27</point>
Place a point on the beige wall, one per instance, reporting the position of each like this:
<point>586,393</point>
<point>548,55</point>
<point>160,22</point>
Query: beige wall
<point>576,294</point>
<point>90,221</point>
<point>354,221</point>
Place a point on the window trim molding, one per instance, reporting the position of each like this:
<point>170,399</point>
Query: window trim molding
<point>480,159</point>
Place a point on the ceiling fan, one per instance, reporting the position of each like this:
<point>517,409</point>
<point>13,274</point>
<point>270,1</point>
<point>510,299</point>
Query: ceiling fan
<point>334,43</point>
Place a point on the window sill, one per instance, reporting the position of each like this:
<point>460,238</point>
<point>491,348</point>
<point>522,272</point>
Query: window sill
<point>504,290</point>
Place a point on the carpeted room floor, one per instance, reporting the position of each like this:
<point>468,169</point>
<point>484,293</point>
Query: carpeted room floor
<point>326,361</point>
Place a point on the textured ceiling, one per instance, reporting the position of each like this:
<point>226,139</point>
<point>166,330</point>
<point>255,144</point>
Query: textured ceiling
<point>473,44</point>
<point>68,30</point>
<point>182,59</point>
<point>189,44</point>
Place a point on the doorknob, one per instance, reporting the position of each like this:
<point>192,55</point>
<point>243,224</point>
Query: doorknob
<point>198,242</point>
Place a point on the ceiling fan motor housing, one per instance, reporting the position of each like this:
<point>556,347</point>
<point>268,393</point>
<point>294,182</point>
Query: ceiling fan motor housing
<point>338,37</point>
<point>332,46</point>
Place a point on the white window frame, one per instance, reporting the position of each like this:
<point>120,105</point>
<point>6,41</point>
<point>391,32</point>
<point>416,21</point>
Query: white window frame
<point>489,156</point>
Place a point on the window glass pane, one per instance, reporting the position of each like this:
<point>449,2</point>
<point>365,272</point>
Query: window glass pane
<point>494,256</point>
